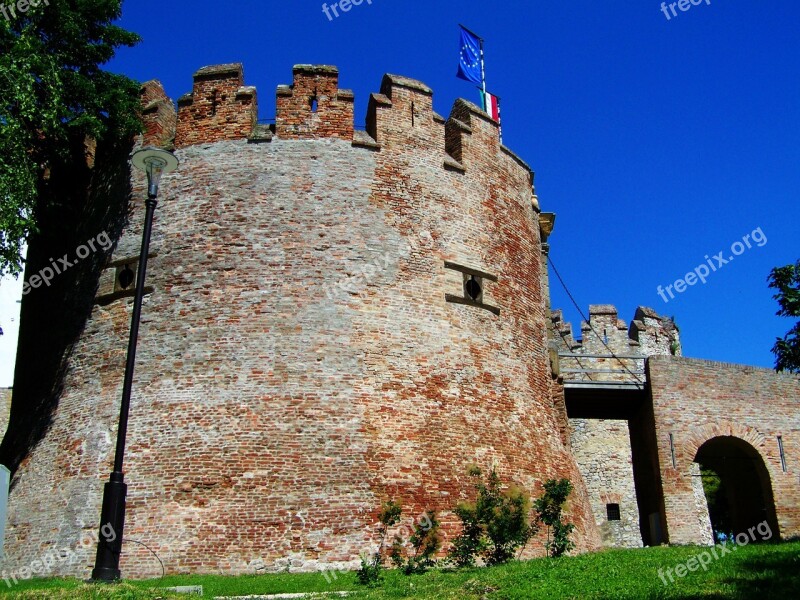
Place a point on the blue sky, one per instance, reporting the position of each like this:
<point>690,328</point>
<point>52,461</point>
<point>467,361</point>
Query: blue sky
<point>655,141</point>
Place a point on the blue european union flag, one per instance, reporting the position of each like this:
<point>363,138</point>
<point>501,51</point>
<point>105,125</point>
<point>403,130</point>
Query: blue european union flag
<point>469,64</point>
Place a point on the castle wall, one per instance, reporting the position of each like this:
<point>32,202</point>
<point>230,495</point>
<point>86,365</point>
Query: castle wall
<point>696,401</point>
<point>300,361</point>
<point>5,408</point>
<point>602,449</point>
<point>609,350</point>
<point>615,447</point>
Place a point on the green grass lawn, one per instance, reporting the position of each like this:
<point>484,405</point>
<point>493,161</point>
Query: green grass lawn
<point>750,572</point>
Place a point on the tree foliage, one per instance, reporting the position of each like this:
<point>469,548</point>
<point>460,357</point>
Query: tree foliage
<point>787,349</point>
<point>425,542</point>
<point>494,526</point>
<point>549,508</point>
<point>717,500</point>
<point>371,567</point>
<point>53,92</point>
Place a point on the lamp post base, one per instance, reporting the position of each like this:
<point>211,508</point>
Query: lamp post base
<point>112,523</point>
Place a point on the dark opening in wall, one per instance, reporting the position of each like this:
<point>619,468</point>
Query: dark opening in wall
<point>124,283</point>
<point>125,277</point>
<point>472,292</point>
<point>473,287</point>
<point>214,100</point>
<point>612,510</point>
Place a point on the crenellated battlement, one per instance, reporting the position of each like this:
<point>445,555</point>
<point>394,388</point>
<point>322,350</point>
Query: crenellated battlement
<point>610,350</point>
<point>314,106</point>
<point>656,334</point>
<point>648,334</point>
<point>221,107</point>
<point>158,115</point>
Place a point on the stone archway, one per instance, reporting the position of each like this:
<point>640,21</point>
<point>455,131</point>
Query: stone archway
<point>745,498</point>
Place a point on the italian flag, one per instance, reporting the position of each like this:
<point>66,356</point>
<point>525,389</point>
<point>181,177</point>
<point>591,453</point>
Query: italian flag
<point>491,104</point>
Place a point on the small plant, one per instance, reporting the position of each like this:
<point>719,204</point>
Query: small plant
<point>370,571</point>
<point>494,527</point>
<point>425,541</point>
<point>549,508</point>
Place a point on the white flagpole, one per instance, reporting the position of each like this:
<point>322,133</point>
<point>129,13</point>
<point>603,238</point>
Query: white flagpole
<point>485,100</point>
<point>499,122</point>
<point>483,76</point>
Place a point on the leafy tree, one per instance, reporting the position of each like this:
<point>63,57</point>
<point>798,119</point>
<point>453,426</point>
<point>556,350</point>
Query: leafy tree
<point>787,350</point>
<point>495,526</point>
<point>549,508</point>
<point>53,96</point>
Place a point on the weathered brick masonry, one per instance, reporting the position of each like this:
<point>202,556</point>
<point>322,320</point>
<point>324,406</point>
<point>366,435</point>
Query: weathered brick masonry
<point>609,432</point>
<point>679,413</point>
<point>602,449</point>
<point>5,407</point>
<point>308,351</point>
<point>697,401</point>
<point>298,363</point>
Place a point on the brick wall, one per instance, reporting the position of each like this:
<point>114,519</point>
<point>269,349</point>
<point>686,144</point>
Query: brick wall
<point>298,364</point>
<point>314,106</point>
<point>219,107</point>
<point>5,408</point>
<point>158,115</point>
<point>612,440</point>
<point>697,401</point>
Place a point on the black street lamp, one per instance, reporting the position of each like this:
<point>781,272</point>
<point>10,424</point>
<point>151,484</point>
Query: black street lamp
<point>155,162</point>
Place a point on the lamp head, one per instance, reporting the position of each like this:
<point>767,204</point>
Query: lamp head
<point>155,162</point>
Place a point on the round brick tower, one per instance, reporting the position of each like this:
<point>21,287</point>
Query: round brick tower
<point>334,318</point>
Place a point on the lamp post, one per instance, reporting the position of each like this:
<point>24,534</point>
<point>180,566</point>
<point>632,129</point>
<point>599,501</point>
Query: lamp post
<point>155,162</point>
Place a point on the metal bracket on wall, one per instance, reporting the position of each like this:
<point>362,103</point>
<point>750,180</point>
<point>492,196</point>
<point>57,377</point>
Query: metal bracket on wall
<point>472,293</point>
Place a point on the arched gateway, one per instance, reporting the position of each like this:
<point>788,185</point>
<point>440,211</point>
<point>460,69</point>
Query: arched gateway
<point>740,496</point>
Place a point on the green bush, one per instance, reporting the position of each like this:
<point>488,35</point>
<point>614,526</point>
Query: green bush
<point>425,541</point>
<point>549,508</point>
<point>495,526</point>
<point>370,571</point>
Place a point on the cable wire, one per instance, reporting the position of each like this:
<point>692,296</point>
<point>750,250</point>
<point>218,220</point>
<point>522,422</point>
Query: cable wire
<point>588,322</point>
<point>163,571</point>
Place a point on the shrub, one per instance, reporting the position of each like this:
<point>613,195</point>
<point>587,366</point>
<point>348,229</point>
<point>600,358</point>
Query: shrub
<point>425,541</point>
<point>494,527</point>
<point>549,508</point>
<point>370,571</point>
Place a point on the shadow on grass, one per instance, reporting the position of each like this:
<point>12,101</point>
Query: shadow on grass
<point>773,575</point>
